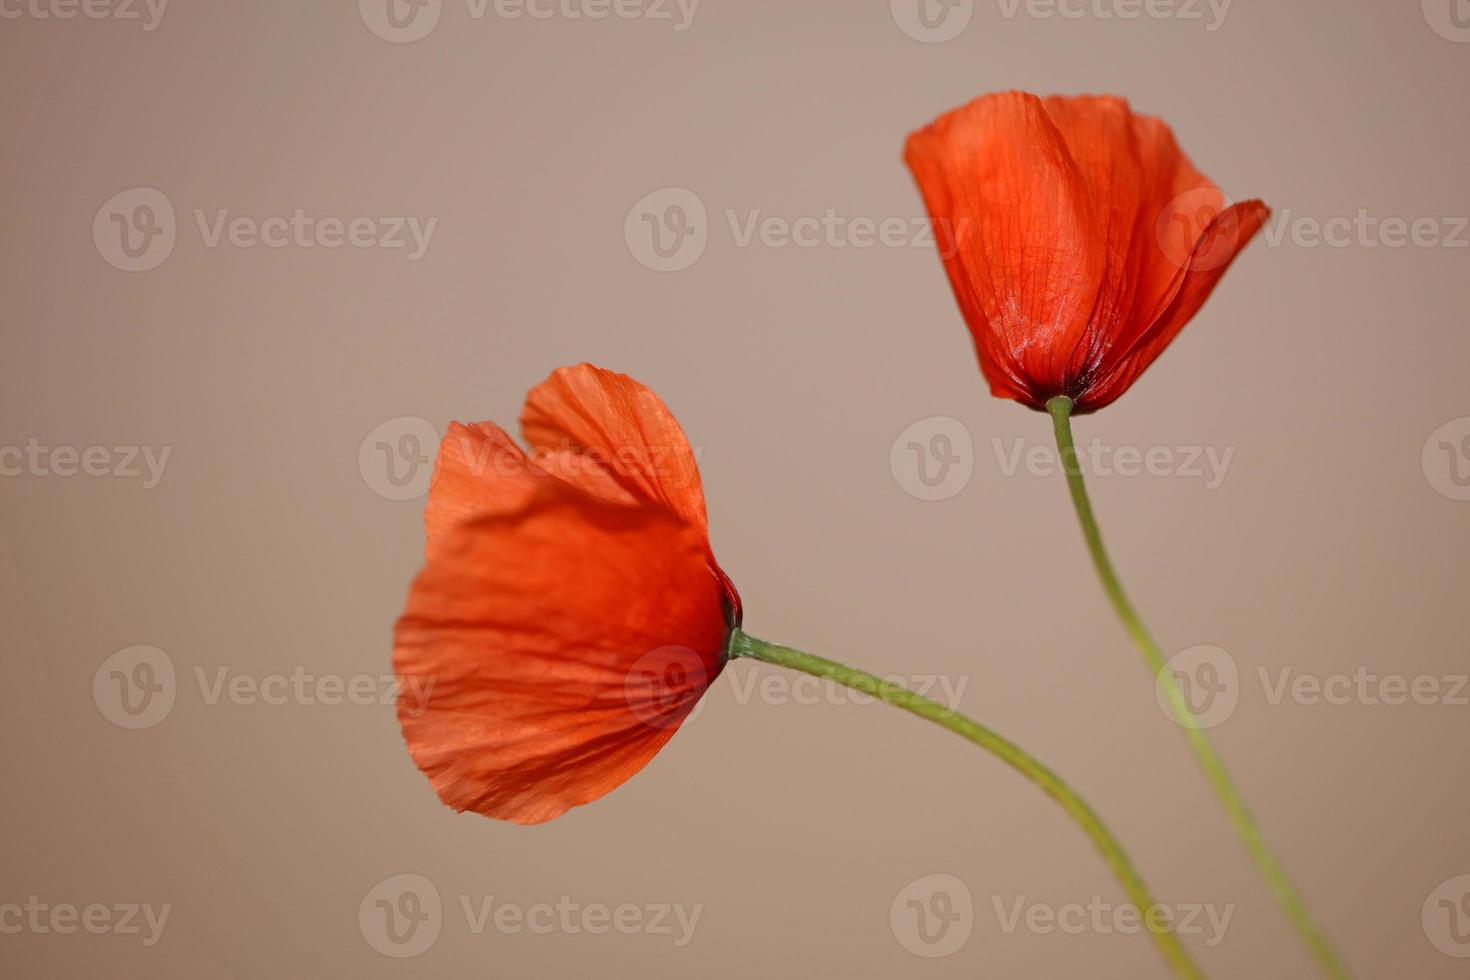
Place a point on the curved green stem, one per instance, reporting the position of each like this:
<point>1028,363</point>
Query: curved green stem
<point>1209,760</point>
<point>744,645</point>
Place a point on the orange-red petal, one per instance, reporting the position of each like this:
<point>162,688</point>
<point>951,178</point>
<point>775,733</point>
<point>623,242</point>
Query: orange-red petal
<point>1223,240</point>
<point>585,472</point>
<point>479,471</point>
<point>1099,135</point>
<point>1179,203</point>
<point>546,655</point>
<point>625,428</point>
<point>1018,236</point>
<point>1078,237</point>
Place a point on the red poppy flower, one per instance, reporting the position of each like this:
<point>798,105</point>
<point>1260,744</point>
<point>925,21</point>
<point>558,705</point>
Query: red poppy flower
<point>1078,238</point>
<point>571,612</point>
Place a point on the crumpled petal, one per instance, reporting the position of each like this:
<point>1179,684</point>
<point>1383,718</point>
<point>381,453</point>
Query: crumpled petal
<point>546,655</point>
<point>1178,204</point>
<point>625,428</point>
<point>1099,135</point>
<point>479,471</point>
<point>1019,235</point>
<point>1216,249</point>
<point>1065,203</point>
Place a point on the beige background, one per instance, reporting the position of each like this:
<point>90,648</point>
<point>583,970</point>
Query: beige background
<point>265,551</point>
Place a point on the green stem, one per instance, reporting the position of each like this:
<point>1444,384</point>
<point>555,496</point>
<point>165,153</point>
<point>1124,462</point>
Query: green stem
<point>1209,760</point>
<point>745,645</point>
